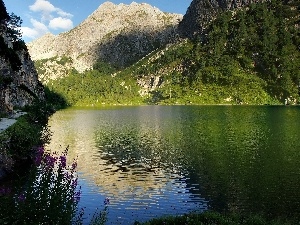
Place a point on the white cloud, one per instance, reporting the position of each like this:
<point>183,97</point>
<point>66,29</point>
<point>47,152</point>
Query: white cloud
<point>46,8</point>
<point>61,23</point>
<point>28,32</point>
<point>44,12</point>
<point>63,13</point>
<point>38,30</point>
<point>42,6</point>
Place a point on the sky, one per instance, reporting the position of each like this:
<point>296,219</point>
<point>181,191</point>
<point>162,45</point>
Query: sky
<point>56,16</point>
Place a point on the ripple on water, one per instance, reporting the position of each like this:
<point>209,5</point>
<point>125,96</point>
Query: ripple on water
<point>154,161</point>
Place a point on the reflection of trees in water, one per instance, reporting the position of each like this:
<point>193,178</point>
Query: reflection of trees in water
<point>238,158</point>
<point>246,165</point>
<point>133,148</point>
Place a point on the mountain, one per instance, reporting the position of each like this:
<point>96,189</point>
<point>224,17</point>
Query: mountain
<point>19,84</point>
<point>246,56</point>
<point>202,12</point>
<point>116,34</point>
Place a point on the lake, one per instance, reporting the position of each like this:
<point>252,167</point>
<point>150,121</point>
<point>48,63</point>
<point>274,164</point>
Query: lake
<point>153,161</point>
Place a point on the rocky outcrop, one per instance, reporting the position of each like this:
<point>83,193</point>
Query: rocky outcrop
<point>201,12</point>
<point>19,84</point>
<point>116,34</point>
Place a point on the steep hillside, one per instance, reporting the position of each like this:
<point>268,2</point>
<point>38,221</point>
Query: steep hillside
<point>248,56</point>
<point>202,12</point>
<point>19,84</point>
<point>116,34</point>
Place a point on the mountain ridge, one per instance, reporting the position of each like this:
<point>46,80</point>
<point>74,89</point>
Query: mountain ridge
<point>117,34</point>
<point>245,56</point>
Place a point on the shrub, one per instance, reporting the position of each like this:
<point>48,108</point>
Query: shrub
<point>49,196</point>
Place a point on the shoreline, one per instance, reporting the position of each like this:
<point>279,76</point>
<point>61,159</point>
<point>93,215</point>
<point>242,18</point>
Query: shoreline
<point>6,122</point>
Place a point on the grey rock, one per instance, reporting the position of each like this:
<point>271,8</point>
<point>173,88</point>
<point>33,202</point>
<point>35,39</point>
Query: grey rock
<point>116,34</point>
<point>18,87</point>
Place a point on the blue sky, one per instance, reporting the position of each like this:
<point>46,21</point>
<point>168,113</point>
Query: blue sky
<point>56,16</point>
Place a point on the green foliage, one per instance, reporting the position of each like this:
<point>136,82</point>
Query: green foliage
<point>49,195</point>
<point>211,218</point>
<point>246,57</point>
<point>54,100</point>
<point>13,27</point>
<point>63,60</point>
<point>29,130</point>
<point>258,40</point>
<point>3,13</point>
<point>38,64</point>
<point>12,23</point>
<point>23,135</point>
<point>104,68</point>
<point>94,88</point>
<point>10,55</point>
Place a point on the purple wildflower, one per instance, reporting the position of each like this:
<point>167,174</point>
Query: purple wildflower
<point>39,155</point>
<point>63,161</point>
<point>2,191</point>
<point>74,165</point>
<point>106,201</point>
<point>50,161</point>
<point>76,197</point>
<point>21,198</point>
<point>5,191</point>
<point>41,150</point>
<point>74,183</point>
<point>37,160</point>
<point>67,175</point>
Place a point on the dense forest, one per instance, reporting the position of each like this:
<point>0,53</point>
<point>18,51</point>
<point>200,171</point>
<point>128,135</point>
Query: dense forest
<point>248,56</point>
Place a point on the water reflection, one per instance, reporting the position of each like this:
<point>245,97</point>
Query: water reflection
<point>123,154</point>
<point>159,160</point>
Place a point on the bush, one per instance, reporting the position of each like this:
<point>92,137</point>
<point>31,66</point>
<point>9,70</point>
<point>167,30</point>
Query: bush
<point>49,196</point>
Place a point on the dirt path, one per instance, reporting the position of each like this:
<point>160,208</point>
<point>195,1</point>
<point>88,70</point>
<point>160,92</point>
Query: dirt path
<point>7,122</point>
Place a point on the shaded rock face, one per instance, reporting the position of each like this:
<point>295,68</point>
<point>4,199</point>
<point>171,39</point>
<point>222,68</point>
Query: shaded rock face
<point>201,12</point>
<point>18,86</point>
<point>116,34</point>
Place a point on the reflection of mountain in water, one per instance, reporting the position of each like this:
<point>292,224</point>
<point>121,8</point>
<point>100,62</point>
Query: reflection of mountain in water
<point>127,160</point>
<point>237,158</point>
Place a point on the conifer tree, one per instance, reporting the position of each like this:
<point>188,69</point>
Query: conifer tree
<point>3,13</point>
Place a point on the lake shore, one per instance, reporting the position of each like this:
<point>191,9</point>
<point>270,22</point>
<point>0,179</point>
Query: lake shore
<point>6,122</point>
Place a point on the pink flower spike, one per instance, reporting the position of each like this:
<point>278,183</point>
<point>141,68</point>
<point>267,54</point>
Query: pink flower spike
<point>74,165</point>
<point>63,161</point>
<point>21,198</point>
<point>106,201</point>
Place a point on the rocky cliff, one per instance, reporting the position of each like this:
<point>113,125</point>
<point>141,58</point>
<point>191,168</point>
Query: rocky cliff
<point>116,34</point>
<point>19,84</point>
<point>201,12</point>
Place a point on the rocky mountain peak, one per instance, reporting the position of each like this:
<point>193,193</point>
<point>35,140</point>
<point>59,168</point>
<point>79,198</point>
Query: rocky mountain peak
<point>118,34</point>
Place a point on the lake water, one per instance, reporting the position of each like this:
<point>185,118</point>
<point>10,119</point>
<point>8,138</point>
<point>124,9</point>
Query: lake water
<point>152,161</point>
